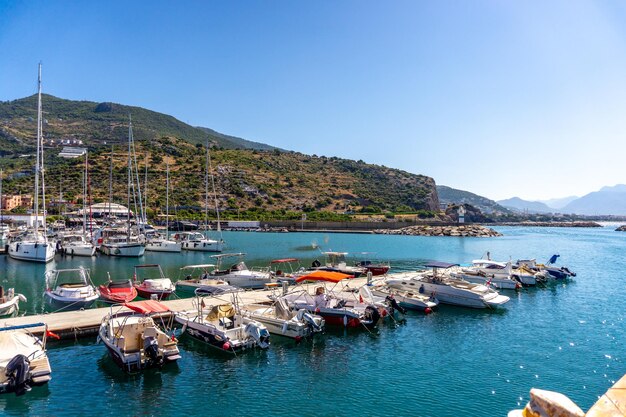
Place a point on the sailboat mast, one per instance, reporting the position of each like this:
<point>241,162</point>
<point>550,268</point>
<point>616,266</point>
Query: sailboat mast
<point>206,190</point>
<point>1,215</point>
<point>167,197</point>
<point>145,191</point>
<point>130,177</point>
<point>217,210</point>
<point>37,163</point>
<point>84,195</point>
<point>111,183</point>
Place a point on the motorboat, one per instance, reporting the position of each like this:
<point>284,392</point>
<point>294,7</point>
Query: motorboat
<point>336,262</point>
<point>157,243</point>
<point>134,339</point>
<point>118,292</point>
<point>123,246</point>
<point>23,359</point>
<point>157,285</point>
<point>10,302</point>
<point>76,244</point>
<point>335,304</point>
<point>70,289</point>
<point>196,241</point>
<point>286,270</point>
<point>377,268</point>
<point>220,324</point>
<point>4,230</point>
<point>446,289</point>
<point>547,270</point>
<point>197,277</point>
<point>411,300</point>
<point>497,274</point>
<point>238,274</point>
<point>280,320</point>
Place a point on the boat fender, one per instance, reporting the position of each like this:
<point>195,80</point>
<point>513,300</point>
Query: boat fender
<point>421,290</point>
<point>371,315</point>
<point>395,305</point>
<point>17,371</point>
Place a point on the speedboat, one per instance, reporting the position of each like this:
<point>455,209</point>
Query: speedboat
<point>411,300</point>
<point>375,267</point>
<point>70,289</point>
<point>196,241</point>
<point>336,262</point>
<point>219,324</point>
<point>547,271</point>
<point>286,270</point>
<point>118,292</point>
<point>10,302</point>
<point>23,359</point>
<point>336,305</point>
<point>134,339</point>
<point>197,277</point>
<point>497,274</point>
<point>239,274</point>
<point>446,289</point>
<point>158,286</point>
<point>283,321</point>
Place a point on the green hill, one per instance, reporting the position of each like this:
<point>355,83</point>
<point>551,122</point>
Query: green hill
<point>448,195</point>
<point>255,182</point>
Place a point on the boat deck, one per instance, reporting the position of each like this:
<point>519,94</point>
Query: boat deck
<point>612,403</point>
<point>85,323</point>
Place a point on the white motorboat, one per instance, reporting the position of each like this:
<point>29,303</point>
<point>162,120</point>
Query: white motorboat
<point>10,302</point>
<point>157,243</point>
<point>123,246</point>
<point>35,247</point>
<point>133,338</point>
<point>221,325</point>
<point>336,262</point>
<point>283,321</point>
<point>238,274</point>
<point>70,289</point>
<point>196,241</point>
<point>496,274</point>
<point>197,277</point>
<point>446,289</point>
<point>336,305</point>
<point>23,359</point>
<point>76,244</point>
<point>411,300</point>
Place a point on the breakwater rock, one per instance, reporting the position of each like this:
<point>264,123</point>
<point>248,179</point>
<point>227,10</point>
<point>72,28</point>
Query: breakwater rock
<point>467,230</point>
<point>621,228</point>
<point>552,224</point>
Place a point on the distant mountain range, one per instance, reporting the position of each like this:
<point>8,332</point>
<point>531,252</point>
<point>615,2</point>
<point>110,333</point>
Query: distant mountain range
<point>448,195</point>
<point>606,201</point>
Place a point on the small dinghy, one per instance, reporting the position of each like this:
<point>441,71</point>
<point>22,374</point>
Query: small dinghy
<point>133,338</point>
<point>117,292</point>
<point>70,289</point>
<point>10,302</point>
<point>23,359</point>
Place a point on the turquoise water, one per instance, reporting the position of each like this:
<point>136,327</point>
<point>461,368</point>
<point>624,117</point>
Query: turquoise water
<point>568,338</point>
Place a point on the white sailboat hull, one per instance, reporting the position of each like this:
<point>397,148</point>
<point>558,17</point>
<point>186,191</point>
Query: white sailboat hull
<point>207,245</point>
<point>163,246</point>
<point>31,251</point>
<point>131,250</point>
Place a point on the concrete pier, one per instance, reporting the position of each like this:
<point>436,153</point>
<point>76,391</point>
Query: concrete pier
<point>85,323</point>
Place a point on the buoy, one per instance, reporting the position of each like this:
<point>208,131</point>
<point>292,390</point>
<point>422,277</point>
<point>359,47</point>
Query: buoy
<point>428,310</point>
<point>226,346</point>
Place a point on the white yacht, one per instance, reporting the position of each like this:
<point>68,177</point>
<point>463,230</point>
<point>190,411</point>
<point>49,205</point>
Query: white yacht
<point>196,241</point>
<point>238,274</point>
<point>446,289</point>
<point>76,244</point>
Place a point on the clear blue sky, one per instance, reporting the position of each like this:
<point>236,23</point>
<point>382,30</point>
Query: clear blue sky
<point>500,98</point>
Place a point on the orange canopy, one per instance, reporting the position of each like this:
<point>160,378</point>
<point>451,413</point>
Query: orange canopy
<point>327,276</point>
<point>147,307</point>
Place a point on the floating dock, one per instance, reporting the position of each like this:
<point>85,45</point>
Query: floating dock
<point>85,323</point>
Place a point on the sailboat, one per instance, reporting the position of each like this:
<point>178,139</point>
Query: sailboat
<point>4,228</point>
<point>34,246</point>
<point>157,243</point>
<point>125,245</point>
<point>196,241</point>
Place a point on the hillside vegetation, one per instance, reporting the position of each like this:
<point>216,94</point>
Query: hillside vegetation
<point>249,182</point>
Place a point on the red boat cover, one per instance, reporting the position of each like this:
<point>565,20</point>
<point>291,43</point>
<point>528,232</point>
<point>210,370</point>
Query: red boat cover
<point>280,261</point>
<point>147,307</point>
<point>327,276</point>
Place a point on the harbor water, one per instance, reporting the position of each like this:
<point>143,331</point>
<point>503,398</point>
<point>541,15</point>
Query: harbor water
<point>568,337</point>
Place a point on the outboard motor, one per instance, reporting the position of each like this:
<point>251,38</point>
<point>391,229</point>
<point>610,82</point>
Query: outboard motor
<point>371,315</point>
<point>17,372</point>
<point>306,317</point>
<point>151,350</point>
<point>394,304</point>
<point>259,333</point>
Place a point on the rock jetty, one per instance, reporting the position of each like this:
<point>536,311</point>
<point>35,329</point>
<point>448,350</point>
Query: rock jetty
<point>467,230</point>
<point>621,228</point>
<point>552,224</point>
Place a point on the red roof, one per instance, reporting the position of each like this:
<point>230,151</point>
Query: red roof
<point>147,307</point>
<point>327,276</point>
<point>280,261</point>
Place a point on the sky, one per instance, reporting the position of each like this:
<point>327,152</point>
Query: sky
<point>499,98</point>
